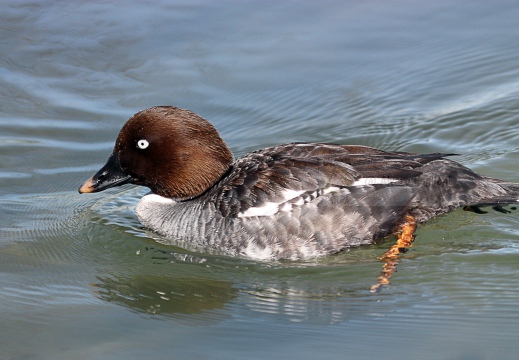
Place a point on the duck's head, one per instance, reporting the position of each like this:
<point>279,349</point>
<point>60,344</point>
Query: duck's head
<point>174,152</point>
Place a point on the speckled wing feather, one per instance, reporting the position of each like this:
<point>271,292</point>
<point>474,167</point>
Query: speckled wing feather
<point>308,170</point>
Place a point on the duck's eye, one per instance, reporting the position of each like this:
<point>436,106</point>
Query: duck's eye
<point>142,144</point>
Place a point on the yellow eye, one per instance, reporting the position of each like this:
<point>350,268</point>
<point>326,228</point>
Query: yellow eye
<point>142,144</point>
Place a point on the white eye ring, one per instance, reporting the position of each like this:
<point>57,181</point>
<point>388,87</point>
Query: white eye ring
<point>142,144</point>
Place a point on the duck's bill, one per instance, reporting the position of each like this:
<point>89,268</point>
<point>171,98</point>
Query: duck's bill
<point>108,176</point>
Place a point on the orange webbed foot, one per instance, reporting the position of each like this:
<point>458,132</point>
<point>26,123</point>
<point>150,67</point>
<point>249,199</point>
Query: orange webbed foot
<point>390,257</point>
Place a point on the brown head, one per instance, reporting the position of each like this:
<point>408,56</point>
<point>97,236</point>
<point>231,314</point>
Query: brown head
<point>174,152</point>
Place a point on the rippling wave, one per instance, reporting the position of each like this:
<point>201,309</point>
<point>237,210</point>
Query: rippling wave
<point>80,277</point>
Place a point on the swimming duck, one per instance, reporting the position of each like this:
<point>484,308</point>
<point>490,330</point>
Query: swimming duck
<point>291,201</point>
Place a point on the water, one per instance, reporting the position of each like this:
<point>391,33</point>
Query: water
<point>79,277</point>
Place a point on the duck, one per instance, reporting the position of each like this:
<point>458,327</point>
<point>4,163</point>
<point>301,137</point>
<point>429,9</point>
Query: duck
<point>294,201</point>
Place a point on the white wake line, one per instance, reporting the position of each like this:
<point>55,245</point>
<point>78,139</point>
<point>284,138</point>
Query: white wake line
<point>477,99</point>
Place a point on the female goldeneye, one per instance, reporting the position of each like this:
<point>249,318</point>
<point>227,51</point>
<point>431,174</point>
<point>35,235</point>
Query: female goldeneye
<point>292,201</point>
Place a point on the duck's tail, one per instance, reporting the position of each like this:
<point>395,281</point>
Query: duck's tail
<point>449,185</point>
<point>506,194</point>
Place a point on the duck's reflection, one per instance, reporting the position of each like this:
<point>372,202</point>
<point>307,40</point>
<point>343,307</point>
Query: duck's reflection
<point>225,288</point>
<point>300,305</point>
<point>155,294</point>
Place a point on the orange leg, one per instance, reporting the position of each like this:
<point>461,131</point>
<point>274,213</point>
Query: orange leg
<point>390,257</point>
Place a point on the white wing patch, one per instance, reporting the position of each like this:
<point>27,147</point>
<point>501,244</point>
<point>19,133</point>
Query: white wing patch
<point>373,181</point>
<point>270,208</point>
<point>330,189</point>
<point>291,198</point>
<point>290,194</point>
<point>266,209</point>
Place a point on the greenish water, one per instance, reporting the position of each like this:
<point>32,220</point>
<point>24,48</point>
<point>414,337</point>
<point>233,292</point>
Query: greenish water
<point>79,277</point>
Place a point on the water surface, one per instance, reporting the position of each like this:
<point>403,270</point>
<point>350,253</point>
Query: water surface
<point>79,277</point>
